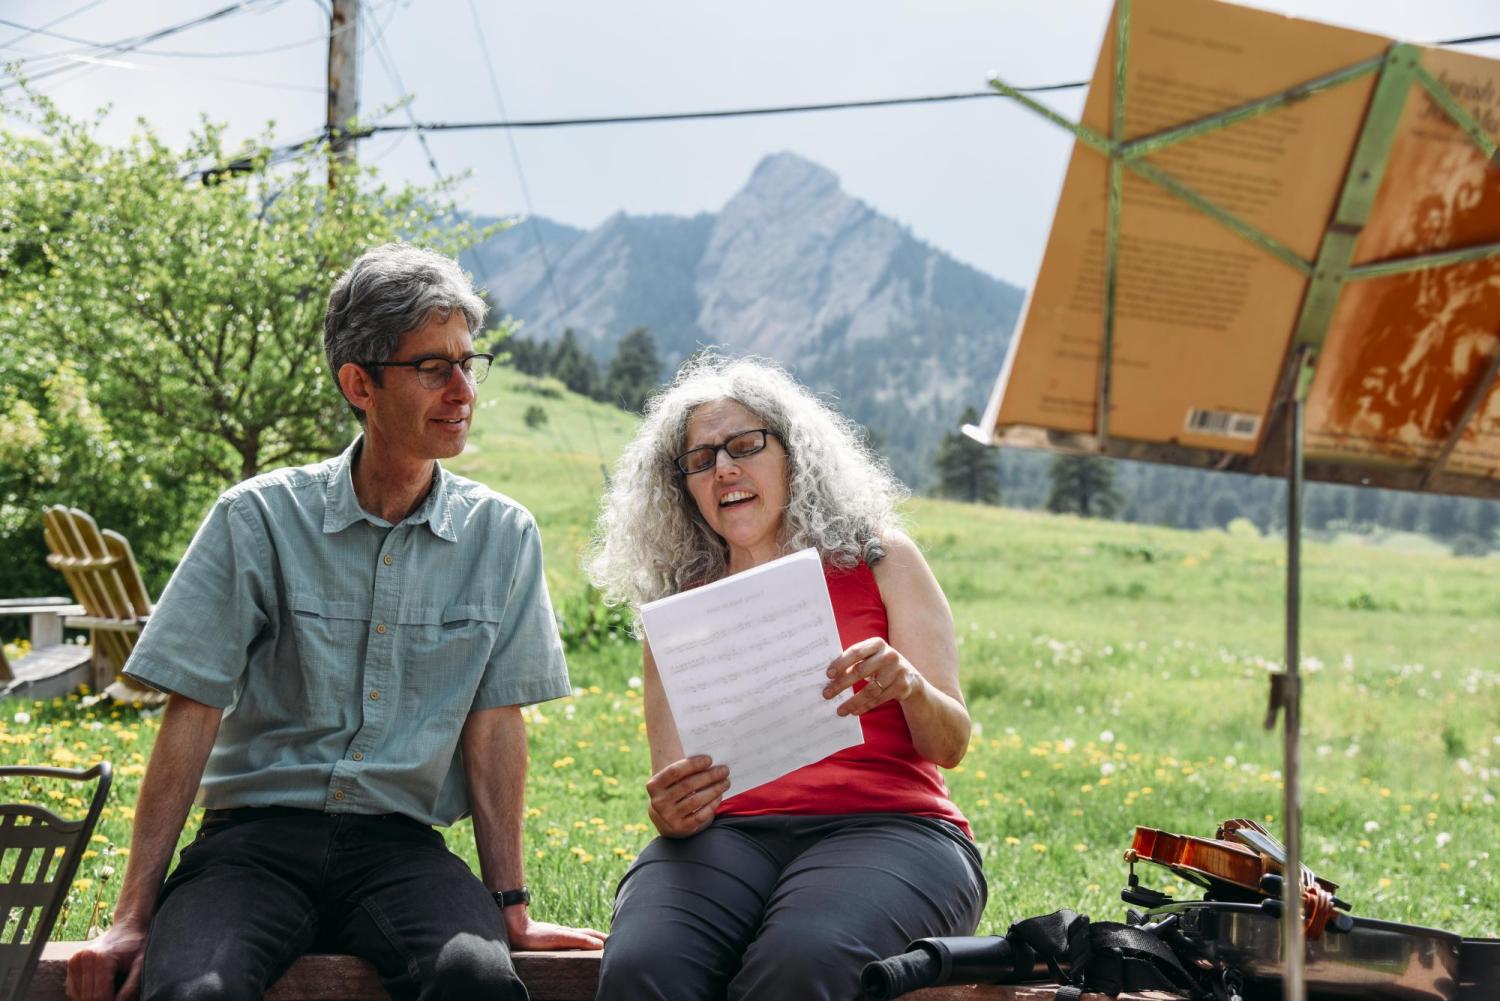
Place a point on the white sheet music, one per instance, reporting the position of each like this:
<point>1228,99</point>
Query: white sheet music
<point>744,661</point>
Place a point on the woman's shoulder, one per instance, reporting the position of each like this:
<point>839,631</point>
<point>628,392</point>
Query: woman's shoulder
<point>904,569</point>
<point>901,555</point>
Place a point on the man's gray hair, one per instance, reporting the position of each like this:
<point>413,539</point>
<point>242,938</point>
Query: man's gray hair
<point>651,541</point>
<point>392,290</point>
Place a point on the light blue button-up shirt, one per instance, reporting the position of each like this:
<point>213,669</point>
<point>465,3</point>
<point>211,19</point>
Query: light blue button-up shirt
<point>347,652</point>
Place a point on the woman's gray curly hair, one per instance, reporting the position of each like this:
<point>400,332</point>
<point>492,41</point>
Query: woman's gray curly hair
<point>650,541</point>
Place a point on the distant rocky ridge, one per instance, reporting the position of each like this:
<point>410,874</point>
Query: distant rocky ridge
<point>792,268</point>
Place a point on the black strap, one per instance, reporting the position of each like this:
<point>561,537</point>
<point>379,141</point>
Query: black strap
<point>1132,959</point>
<point>1068,992</point>
<point>1060,938</point>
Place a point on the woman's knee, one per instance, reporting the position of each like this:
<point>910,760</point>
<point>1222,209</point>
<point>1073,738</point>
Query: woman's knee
<point>635,973</point>
<point>811,962</point>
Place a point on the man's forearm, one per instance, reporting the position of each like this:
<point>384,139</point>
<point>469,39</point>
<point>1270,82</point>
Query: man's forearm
<point>187,736</point>
<point>494,743</point>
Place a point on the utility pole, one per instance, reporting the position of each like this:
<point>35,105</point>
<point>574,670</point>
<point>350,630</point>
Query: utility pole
<point>343,82</point>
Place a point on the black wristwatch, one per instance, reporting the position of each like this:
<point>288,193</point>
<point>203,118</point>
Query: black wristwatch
<point>510,898</point>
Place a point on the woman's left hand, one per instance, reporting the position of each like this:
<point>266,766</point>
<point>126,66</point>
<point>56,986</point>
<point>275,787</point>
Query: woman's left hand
<point>890,676</point>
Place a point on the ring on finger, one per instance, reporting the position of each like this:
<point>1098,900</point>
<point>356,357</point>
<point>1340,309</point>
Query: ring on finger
<point>876,682</point>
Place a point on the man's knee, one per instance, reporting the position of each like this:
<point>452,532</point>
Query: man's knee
<point>201,986</point>
<point>471,966</point>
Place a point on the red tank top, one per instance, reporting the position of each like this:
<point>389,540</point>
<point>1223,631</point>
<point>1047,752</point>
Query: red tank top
<point>885,774</point>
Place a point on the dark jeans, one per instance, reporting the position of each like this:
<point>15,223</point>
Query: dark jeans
<point>785,906</point>
<point>259,887</point>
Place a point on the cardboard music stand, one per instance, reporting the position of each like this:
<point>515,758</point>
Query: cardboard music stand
<point>1277,251</point>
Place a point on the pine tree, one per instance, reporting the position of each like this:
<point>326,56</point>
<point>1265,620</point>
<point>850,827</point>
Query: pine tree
<point>572,366</point>
<point>634,373</point>
<point>1083,485</point>
<point>526,356</point>
<point>967,470</point>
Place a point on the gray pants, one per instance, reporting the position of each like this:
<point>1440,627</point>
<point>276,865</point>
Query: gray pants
<point>785,907</point>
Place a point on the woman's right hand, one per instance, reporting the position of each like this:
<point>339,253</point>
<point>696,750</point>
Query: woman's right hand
<point>685,794</point>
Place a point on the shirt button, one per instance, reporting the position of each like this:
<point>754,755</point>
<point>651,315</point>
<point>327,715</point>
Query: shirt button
<point>338,794</point>
<point>375,695</point>
<point>380,629</point>
<point>389,559</point>
<point>357,756</point>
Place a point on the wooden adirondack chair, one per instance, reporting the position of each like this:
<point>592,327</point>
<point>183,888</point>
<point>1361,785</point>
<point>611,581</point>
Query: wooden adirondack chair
<point>101,571</point>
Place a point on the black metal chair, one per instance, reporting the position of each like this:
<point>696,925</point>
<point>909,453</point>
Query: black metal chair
<point>39,856</point>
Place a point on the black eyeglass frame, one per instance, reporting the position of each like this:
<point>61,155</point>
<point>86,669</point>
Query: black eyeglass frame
<point>765,435</point>
<point>462,364</point>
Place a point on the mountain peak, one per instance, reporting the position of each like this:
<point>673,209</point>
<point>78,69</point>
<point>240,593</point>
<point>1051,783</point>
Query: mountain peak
<point>795,268</point>
<point>781,173</point>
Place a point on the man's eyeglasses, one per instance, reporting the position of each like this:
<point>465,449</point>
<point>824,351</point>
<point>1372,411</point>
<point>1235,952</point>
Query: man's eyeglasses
<point>434,372</point>
<point>740,445</point>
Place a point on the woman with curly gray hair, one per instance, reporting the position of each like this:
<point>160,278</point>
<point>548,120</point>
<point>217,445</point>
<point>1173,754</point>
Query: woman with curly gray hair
<point>789,888</point>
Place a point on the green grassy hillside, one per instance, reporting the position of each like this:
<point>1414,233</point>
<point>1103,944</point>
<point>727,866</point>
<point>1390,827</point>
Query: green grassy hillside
<point>1117,676</point>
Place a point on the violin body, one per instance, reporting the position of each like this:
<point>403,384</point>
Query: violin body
<point>1234,866</point>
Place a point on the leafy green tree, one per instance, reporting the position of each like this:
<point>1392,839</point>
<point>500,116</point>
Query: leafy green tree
<point>1083,485</point>
<point>163,332</point>
<point>573,366</point>
<point>634,372</point>
<point>967,470</point>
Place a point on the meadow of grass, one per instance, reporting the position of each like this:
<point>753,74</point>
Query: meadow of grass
<point>1116,674</point>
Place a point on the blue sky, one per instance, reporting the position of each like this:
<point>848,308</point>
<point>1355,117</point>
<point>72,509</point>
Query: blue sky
<point>978,179</point>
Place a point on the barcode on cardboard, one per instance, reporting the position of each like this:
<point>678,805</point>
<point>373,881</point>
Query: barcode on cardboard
<point>1223,422</point>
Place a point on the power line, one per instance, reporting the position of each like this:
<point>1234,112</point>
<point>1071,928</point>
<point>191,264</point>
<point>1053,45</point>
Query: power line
<point>28,32</point>
<point>562,304</point>
<point>388,61</point>
<point>135,42</point>
<point>682,116</point>
<point>1470,40</point>
<point>90,46</point>
<point>564,307</point>
<point>366,131</point>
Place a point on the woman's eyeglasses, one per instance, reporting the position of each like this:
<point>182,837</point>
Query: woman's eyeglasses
<point>740,445</point>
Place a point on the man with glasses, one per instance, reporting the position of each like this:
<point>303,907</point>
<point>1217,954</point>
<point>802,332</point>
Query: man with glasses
<point>347,646</point>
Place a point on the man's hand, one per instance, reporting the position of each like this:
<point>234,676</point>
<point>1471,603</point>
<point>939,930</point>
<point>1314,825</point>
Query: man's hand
<point>685,795</point>
<point>94,970</point>
<point>543,936</point>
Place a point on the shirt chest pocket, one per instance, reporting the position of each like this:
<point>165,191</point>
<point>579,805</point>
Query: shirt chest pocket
<point>446,655</point>
<point>331,638</point>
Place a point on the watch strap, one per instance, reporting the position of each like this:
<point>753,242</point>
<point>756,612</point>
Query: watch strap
<point>509,898</point>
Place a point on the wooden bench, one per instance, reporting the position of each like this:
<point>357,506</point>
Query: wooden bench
<point>549,976</point>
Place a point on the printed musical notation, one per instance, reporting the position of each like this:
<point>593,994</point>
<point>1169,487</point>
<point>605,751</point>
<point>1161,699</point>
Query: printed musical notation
<point>742,662</point>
